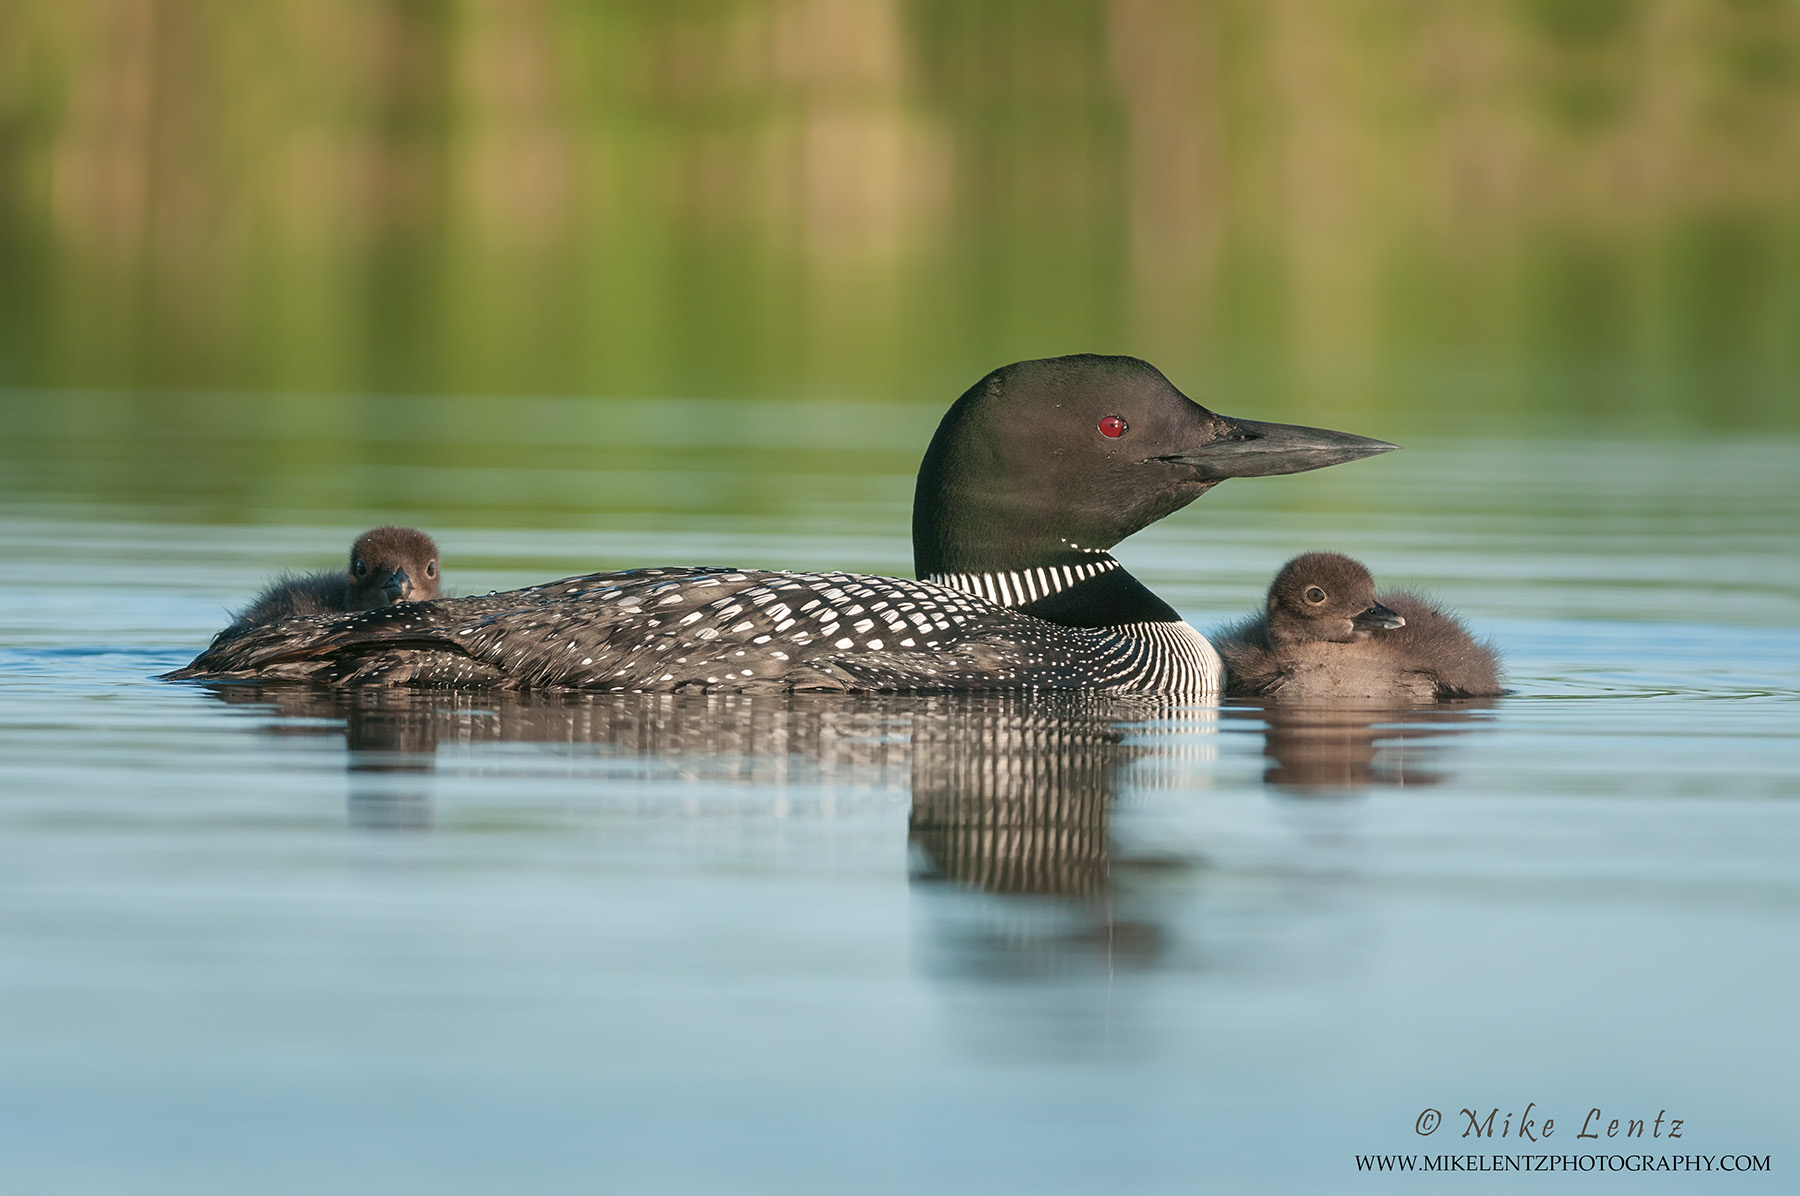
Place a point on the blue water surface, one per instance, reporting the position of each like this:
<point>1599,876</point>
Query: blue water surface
<point>283,941</point>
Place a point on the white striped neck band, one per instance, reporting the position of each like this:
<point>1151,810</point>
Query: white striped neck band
<point>1021,587</point>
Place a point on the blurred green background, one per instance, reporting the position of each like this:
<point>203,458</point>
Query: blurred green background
<point>1416,207</point>
<point>713,268</point>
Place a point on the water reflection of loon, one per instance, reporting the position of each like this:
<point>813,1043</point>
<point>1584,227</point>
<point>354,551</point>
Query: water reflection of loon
<point>1018,871</point>
<point>1010,793</point>
<point>1014,762</point>
<point>1346,746</point>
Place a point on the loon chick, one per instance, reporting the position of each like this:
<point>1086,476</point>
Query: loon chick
<point>1032,475</point>
<point>387,565</point>
<point>1325,635</point>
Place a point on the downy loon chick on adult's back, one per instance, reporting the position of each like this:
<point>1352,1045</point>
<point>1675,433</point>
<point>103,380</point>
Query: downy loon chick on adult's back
<point>387,565</point>
<point>1324,636</point>
<point>1033,474</point>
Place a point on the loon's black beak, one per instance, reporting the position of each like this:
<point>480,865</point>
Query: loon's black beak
<point>1251,449</point>
<point>398,587</point>
<point>1378,618</point>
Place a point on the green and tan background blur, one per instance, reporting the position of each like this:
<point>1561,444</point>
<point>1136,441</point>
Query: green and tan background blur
<point>1397,216</point>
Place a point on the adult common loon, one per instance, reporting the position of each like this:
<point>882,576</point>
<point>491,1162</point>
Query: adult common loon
<point>1324,636</point>
<point>1033,474</point>
<point>387,565</point>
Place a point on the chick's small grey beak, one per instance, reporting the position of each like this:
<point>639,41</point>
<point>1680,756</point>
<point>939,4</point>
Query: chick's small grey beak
<point>398,586</point>
<point>1251,449</point>
<point>1379,618</point>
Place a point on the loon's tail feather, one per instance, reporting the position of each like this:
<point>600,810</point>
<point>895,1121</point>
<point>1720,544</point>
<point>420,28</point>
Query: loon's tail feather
<point>325,653</point>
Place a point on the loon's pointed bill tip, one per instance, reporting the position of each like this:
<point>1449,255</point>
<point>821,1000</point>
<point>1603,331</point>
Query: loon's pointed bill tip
<point>1253,449</point>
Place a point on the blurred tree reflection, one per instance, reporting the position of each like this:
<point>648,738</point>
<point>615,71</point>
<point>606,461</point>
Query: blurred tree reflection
<point>1318,204</point>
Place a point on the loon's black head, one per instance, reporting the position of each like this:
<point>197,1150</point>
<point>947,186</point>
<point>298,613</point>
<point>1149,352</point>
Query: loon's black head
<point>1325,597</point>
<point>1046,462</point>
<point>392,564</point>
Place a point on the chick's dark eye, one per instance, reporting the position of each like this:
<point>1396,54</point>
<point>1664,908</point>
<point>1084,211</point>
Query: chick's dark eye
<point>430,568</point>
<point>1314,595</point>
<point>359,568</point>
<point>1112,427</point>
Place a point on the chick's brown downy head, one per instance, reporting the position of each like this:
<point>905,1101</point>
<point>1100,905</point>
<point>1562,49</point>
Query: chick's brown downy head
<point>1326,597</point>
<point>392,564</point>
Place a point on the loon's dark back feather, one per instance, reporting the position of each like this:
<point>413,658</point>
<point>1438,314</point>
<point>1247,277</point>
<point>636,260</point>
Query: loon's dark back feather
<point>711,629</point>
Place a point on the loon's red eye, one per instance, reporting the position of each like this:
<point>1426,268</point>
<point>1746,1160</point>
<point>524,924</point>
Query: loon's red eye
<point>1112,427</point>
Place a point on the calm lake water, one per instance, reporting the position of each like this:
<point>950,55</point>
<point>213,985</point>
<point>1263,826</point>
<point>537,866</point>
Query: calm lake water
<point>286,941</point>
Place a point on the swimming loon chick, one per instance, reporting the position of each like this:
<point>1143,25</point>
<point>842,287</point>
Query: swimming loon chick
<point>387,565</point>
<point>1325,635</point>
<point>1032,475</point>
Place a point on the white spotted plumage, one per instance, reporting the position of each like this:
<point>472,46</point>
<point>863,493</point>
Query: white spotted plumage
<point>872,633</point>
